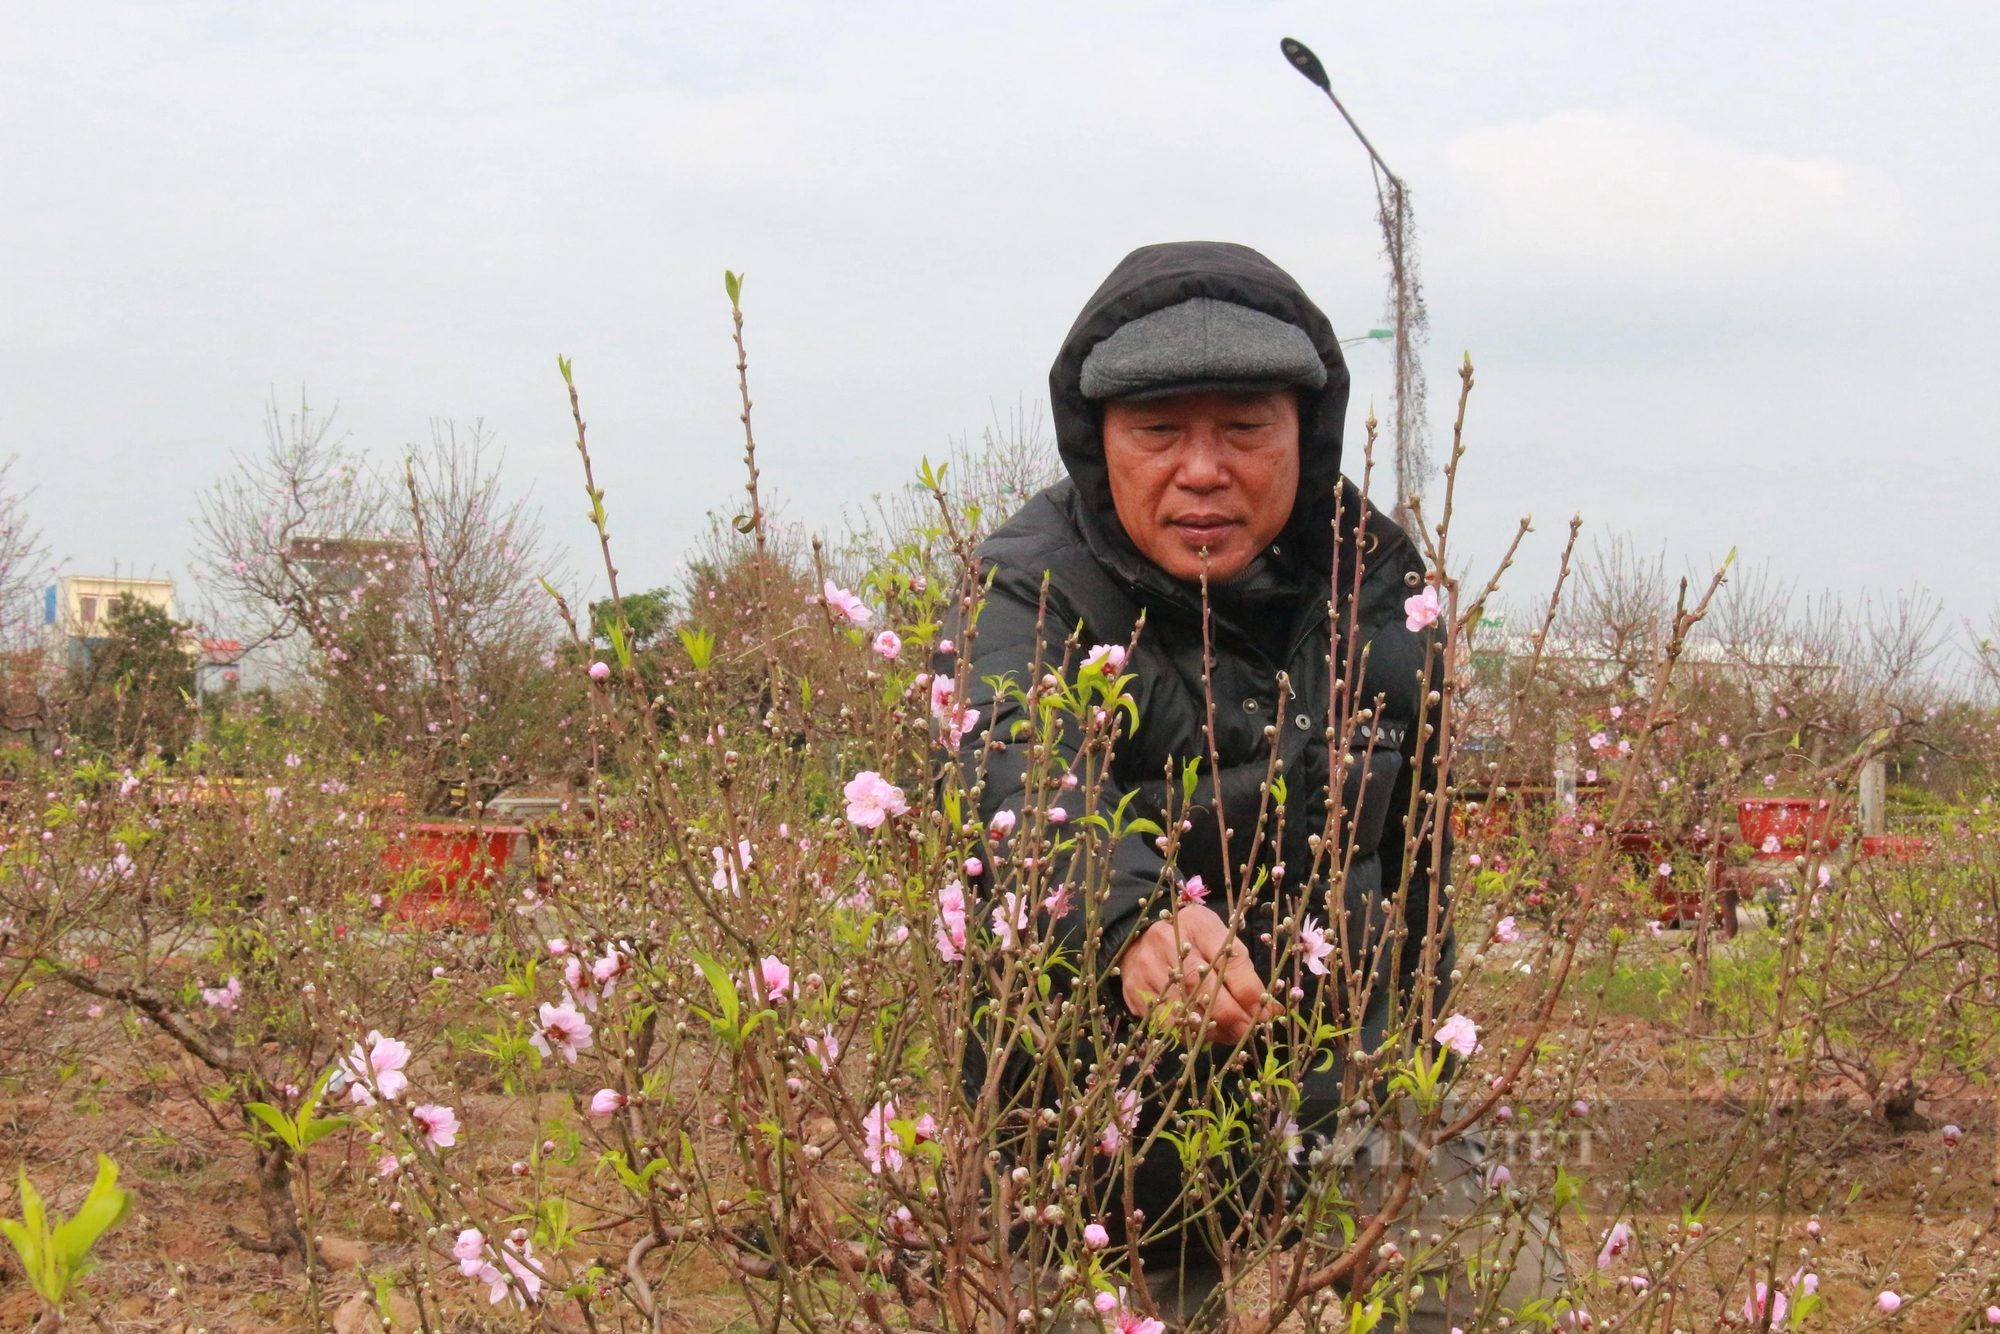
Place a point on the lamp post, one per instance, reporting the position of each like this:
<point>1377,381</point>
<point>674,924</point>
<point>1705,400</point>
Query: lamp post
<point>1407,317</point>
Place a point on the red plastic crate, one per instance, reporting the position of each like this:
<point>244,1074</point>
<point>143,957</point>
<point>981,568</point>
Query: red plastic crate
<point>459,864</point>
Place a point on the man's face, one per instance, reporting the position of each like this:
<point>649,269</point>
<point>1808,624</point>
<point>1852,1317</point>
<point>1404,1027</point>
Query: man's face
<point>1211,472</point>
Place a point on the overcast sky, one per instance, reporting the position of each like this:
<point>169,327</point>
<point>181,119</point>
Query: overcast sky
<point>1728,272</point>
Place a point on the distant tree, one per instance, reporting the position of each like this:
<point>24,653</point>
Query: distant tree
<point>410,604</point>
<point>648,615</point>
<point>22,563</point>
<point>24,669</point>
<point>132,692</point>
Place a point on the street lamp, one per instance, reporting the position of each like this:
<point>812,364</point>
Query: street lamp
<point>1406,301</point>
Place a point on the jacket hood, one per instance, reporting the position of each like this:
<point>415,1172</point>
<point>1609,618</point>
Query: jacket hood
<point>1157,276</point>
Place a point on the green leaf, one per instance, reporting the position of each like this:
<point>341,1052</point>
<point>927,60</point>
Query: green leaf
<point>32,1212</point>
<point>730,1023</point>
<point>100,1212</point>
<point>54,1260</point>
<point>281,1125</point>
<point>563,365</point>
<point>700,646</point>
<point>616,633</point>
<point>615,1160</point>
<point>733,284</point>
<point>1566,1189</point>
<point>27,1247</point>
<point>316,1129</point>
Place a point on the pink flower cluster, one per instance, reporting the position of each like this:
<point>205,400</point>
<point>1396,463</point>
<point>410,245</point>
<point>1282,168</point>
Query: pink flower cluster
<point>225,997</point>
<point>1108,659</point>
<point>1010,919</point>
<point>1112,1307</point>
<point>561,1029</point>
<point>774,978</point>
<point>1459,1034</point>
<point>470,1252</point>
<point>1124,1122</point>
<point>1421,611</point>
<point>1780,1302</point>
<point>950,934</point>
<point>883,1145</point>
<point>1316,947</point>
<point>727,871</point>
<point>587,991</point>
<point>376,1069</point>
<point>871,799</point>
<point>955,719</point>
<point>439,1124</point>
<point>847,604</point>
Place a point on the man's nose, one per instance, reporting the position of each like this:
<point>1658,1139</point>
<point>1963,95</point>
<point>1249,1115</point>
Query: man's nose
<point>1202,466</point>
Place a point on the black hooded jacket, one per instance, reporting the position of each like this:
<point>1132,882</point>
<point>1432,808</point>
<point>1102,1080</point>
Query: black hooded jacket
<point>1272,619</point>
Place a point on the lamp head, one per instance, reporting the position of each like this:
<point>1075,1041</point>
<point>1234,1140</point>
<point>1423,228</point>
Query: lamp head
<point>1301,58</point>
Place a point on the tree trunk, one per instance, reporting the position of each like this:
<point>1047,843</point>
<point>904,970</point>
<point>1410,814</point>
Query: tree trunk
<point>281,1211</point>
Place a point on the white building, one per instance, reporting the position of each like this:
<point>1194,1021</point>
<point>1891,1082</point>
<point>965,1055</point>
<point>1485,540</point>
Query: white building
<point>78,606</point>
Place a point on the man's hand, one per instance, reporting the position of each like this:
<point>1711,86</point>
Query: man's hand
<point>1213,977</point>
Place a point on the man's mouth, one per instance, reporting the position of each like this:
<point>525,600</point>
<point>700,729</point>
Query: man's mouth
<point>1205,530</point>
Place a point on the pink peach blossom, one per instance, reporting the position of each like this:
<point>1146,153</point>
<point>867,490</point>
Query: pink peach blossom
<point>883,1148</point>
<point>562,1030</point>
<point>1123,1124</point>
<point>950,934</point>
<point>1010,919</point>
<point>470,1251</point>
<point>1458,1033</point>
<point>1313,941</point>
<point>383,1060</point>
<point>825,1048</point>
<point>1106,658</point>
<point>1618,1242</point>
<point>945,708</point>
<point>871,799</point>
<point>1420,611</point>
<point>440,1124</point>
<point>847,604</point>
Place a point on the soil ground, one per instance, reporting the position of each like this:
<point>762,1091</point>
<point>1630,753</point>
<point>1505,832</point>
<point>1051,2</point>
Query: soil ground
<point>73,1086</point>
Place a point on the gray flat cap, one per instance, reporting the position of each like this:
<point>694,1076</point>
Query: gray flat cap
<point>1202,343</point>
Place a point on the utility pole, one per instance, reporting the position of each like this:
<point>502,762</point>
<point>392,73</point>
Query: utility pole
<point>1408,320</point>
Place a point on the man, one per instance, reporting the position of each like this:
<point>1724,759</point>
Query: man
<point>1199,402</point>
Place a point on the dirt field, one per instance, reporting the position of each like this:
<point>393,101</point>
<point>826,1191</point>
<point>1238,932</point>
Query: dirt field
<point>77,1085</point>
